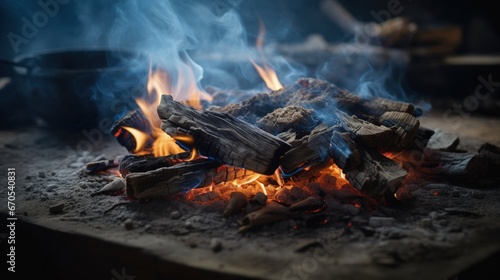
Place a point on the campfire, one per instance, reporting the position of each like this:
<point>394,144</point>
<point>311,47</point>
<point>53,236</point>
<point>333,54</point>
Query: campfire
<point>296,152</point>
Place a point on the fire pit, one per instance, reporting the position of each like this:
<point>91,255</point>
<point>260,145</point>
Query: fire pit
<point>303,178</point>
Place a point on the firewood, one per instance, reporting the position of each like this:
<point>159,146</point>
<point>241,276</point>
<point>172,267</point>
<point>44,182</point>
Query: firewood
<point>492,154</point>
<point>404,125</point>
<point>444,141</point>
<point>134,119</point>
<point>344,151</point>
<point>224,137</point>
<point>378,106</point>
<point>310,204</point>
<point>179,178</point>
<point>377,175</point>
<point>143,163</point>
<point>237,201</point>
<point>114,186</point>
<point>452,165</point>
<point>311,150</point>
<point>271,213</point>
<point>365,133</point>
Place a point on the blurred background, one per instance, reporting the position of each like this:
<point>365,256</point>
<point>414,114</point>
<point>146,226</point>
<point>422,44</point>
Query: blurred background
<point>406,49</point>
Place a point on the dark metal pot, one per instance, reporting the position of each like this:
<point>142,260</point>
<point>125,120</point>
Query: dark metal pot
<point>81,88</point>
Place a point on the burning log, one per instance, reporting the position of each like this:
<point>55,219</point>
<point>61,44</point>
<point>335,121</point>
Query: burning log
<point>132,119</point>
<point>237,201</point>
<point>311,150</point>
<point>376,175</point>
<point>139,163</point>
<point>271,213</point>
<point>179,178</point>
<point>223,137</point>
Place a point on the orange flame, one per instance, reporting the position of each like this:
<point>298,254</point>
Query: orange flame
<point>265,71</point>
<point>187,91</point>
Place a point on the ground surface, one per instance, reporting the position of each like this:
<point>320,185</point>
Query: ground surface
<point>432,236</point>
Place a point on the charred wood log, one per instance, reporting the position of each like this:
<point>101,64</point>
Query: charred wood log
<point>224,137</point>
<point>344,151</point>
<point>442,140</point>
<point>179,178</point>
<point>376,175</point>
<point>378,106</point>
<point>134,119</point>
<point>467,166</point>
<point>365,133</point>
<point>404,125</point>
<point>144,163</point>
<point>237,201</point>
<point>271,213</point>
<point>311,150</point>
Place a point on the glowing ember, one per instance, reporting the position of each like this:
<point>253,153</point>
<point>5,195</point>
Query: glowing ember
<point>265,71</point>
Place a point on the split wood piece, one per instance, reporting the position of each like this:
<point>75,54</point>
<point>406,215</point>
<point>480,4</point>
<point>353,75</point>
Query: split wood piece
<point>412,157</point>
<point>344,151</point>
<point>224,137</point>
<point>116,185</point>
<point>365,133</point>
<point>101,165</point>
<point>143,163</point>
<point>468,166</point>
<point>134,119</point>
<point>237,201</point>
<point>377,175</point>
<point>271,213</point>
<point>179,178</point>
<point>444,141</point>
<point>310,204</point>
<point>378,106</point>
<point>404,125</point>
<point>294,118</point>
<point>311,150</point>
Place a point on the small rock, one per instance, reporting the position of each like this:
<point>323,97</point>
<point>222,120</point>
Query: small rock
<point>175,215</point>
<point>76,165</point>
<point>216,245</point>
<point>477,194</point>
<point>41,174</point>
<point>56,209</point>
<point>51,187</point>
<point>189,225</point>
<point>128,224</point>
<point>29,187</point>
<point>381,221</point>
<point>351,209</point>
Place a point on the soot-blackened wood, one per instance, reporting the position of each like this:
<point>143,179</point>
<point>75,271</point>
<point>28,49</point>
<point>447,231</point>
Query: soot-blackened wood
<point>376,175</point>
<point>310,150</point>
<point>134,119</point>
<point>442,140</point>
<point>468,166</point>
<point>492,154</point>
<point>404,125</point>
<point>224,137</point>
<point>365,133</point>
<point>181,177</point>
<point>344,151</point>
<point>144,163</point>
